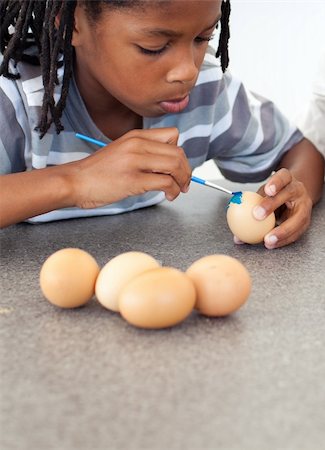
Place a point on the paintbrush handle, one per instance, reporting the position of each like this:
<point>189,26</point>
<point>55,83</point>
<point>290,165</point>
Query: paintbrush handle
<point>208,183</point>
<point>91,140</point>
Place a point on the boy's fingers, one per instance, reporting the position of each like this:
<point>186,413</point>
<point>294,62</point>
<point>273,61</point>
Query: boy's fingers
<point>164,135</point>
<point>160,182</point>
<point>277,238</point>
<point>159,153</point>
<point>277,182</point>
<point>287,232</point>
<point>238,241</point>
<point>287,195</point>
<point>164,164</point>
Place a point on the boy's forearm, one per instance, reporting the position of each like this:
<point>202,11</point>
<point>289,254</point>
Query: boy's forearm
<point>28,194</point>
<point>307,165</point>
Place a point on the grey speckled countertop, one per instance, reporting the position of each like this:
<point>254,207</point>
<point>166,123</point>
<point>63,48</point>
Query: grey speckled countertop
<point>84,379</point>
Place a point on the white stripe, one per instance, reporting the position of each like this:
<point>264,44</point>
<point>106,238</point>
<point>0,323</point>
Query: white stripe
<point>41,149</point>
<point>209,58</point>
<point>206,76</point>
<point>197,131</point>
<point>253,100</point>
<point>38,161</point>
<point>56,158</point>
<point>225,123</point>
<point>70,213</point>
<point>36,98</point>
<point>32,85</point>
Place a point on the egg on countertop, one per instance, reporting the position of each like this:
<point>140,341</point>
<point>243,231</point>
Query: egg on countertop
<point>158,298</point>
<point>222,284</point>
<point>68,277</point>
<point>118,272</point>
<point>241,221</point>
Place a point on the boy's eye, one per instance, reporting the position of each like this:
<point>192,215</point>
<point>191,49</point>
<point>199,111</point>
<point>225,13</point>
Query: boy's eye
<point>201,39</point>
<point>147,51</point>
<point>159,51</point>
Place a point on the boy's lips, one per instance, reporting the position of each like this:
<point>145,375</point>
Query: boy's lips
<point>175,106</point>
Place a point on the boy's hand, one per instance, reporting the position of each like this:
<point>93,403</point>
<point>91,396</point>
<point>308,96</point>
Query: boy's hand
<point>288,198</point>
<point>138,162</point>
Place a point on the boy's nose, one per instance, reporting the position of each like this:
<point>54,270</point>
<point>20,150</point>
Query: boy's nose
<point>184,70</point>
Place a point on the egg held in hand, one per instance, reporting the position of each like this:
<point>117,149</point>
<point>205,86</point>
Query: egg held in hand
<point>241,221</point>
<point>68,277</point>
<point>118,272</point>
<point>158,298</point>
<point>222,284</point>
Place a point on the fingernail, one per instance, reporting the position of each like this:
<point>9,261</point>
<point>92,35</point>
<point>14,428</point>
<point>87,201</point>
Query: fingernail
<point>271,240</point>
<point>238,241</point>
<point>270,190</point>
<point>259,213</point>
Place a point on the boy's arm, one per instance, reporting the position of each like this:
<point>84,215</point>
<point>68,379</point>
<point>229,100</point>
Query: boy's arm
<point>306,164</point>
<point>138,162</point>
<point>27,194</point>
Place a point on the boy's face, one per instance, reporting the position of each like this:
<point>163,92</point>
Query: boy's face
<point>146,59</point>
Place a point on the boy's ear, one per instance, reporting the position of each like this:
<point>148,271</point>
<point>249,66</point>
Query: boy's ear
<point>79,17</point>
<point>76,27</point>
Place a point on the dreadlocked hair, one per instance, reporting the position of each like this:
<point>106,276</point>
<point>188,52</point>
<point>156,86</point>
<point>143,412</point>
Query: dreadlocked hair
<point>222,51</point>
<point>34,24</point>
<point>28,23</point>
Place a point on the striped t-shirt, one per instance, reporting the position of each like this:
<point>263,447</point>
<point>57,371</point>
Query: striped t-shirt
<point>245,134</point>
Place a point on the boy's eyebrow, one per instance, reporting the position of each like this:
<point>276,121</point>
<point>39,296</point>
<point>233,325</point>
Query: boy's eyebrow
<point>171,33</point>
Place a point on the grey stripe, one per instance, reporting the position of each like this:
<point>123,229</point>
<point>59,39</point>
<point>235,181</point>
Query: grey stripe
<point>205,94</point>
<point>197,147</point>
<point>222,106</point>
<point>12,136</point>
<point>245,177</point>
<point>243,127</point>
<point>268,119</point>
<point>76,117</point>
<point>203,116</point>
<point>5,164</point>
<point>69,141</point>
<point>27,71</point>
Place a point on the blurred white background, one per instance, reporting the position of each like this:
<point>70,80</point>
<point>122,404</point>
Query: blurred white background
<point>274,48</point>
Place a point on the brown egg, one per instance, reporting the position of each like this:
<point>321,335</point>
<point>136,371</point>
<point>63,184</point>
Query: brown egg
<point>68,277</point>
<point>158,298</point>
<point>222,284</point>
<point>118,272</point>
<point>241,221</point>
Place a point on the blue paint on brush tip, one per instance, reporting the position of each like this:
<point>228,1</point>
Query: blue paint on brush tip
<point>236,198</point>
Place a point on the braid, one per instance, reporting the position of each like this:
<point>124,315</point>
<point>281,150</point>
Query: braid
<point>34,24</point>
<point>52,42</point>
<point>224,35</point>
<point>14,42</point>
